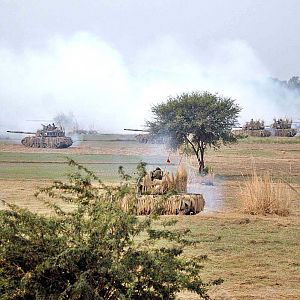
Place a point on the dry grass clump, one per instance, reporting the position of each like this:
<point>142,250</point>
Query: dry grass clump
<point>263,195</point>
<point>181,178</point>
<point>169,182</point>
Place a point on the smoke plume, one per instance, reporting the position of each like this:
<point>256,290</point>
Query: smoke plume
<point>87,77</point>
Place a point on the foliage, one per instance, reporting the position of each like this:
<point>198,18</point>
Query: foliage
<point>141,169</point>
<point>91,249</point>
<point>140,172</point>
<point>197,119</point>
<point>122,174</point>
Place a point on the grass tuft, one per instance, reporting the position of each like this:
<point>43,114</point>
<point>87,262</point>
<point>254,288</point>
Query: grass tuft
<point>263,195</point>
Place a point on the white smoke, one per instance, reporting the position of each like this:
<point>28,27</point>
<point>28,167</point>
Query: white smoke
<point>86,76</point>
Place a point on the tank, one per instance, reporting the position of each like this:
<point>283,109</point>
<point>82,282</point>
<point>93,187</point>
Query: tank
<point>253,128</point>
<point>148,138</point>
<point>283,127</point>
<point>153,187</point>
<point>48,137</point>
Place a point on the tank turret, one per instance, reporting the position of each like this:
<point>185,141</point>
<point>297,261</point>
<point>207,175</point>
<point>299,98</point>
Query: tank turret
<point>48,137</point>
<point>283,127</point>
<point>253,128</point>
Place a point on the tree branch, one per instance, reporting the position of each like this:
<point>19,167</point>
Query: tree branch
<point>196,151</point>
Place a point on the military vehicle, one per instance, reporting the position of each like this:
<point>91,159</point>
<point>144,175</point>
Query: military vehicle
<point>283,127</point>
<point>48,137</point>
<point>153,188</point>
<point>253,128</point>
<point>148,138</point>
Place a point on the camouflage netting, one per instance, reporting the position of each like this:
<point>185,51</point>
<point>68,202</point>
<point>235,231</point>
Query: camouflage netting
<point>169,182</point>
<point>184,204</point>
<point>283,127</point>
<point>282,123</point>
<point>152,192</point>
<point>253,128</point>
<point>254,125</point>
<point>257,133</point>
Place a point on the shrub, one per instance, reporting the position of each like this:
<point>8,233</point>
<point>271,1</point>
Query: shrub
<point>263,195</point>
<point>93,249</point>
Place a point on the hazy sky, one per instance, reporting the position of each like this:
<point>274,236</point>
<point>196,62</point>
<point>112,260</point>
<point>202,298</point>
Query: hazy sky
<point>121,55</point>
<point>270,27</point>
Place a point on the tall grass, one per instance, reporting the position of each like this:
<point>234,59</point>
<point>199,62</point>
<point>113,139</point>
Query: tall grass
<point>263,195</point>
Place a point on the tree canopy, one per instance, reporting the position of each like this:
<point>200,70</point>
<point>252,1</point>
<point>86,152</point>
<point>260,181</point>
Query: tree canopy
<point>199,119</point>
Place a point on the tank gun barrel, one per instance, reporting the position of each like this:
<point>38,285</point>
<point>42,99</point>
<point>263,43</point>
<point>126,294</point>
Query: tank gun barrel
<point>140,130</point>
<point>26,132</point>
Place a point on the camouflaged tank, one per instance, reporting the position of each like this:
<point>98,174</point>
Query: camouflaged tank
<point>283,127</point>
<point>148,138</point>
<point>153,188</point>
<point>253,128</point>
<point>48,137</point>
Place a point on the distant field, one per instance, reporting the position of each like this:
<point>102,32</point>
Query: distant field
<point>257,256</point>
<point>54,165</point>
<point>103,154</point>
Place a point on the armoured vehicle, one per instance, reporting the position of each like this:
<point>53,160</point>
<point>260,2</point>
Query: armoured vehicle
<point>253,128</point>
<point>148,138</point>
<point>48,137</point>
<point>283,127</point>
<point>154,186</point>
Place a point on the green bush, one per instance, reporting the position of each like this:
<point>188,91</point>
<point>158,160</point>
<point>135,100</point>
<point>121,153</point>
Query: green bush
<point>91,249</point>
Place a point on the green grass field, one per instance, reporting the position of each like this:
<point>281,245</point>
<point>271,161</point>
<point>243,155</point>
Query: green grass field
<point>14,165</point>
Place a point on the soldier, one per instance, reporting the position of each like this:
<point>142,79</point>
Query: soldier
<point>156,174</point>
<point>186,208</point>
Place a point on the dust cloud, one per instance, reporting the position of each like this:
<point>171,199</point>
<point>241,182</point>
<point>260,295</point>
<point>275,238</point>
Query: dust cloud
<point>85,76</point>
